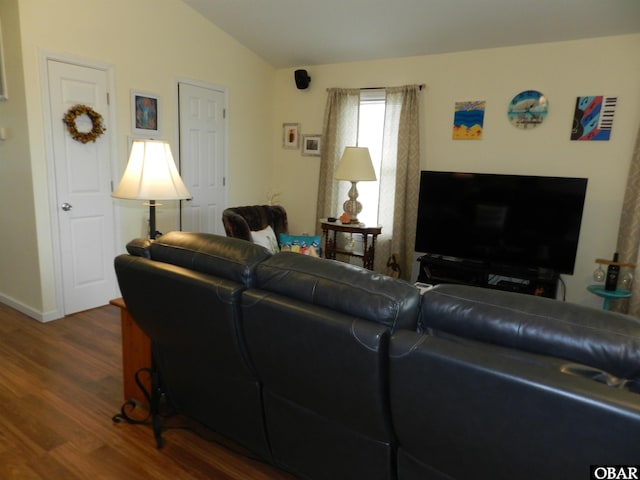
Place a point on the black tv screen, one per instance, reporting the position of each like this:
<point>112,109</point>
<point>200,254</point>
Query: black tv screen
<point>520,221</point>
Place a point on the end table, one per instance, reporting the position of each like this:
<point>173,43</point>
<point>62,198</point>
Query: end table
<point>369,234</point>
<point>608,295</point>
<point>136,353</point>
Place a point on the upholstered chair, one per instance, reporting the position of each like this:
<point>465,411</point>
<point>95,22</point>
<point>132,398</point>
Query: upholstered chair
<point>239,222</point>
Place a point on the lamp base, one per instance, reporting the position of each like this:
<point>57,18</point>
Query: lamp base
<point>352,206</point>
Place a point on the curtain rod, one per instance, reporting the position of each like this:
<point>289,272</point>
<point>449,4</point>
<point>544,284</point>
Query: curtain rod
<point>421,87</point>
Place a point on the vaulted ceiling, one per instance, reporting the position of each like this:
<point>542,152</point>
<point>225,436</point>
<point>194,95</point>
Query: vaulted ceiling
<point>288,33</point>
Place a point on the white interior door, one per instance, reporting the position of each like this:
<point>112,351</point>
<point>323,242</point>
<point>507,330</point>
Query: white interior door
<point>85,215</point>
<point>203,156</point>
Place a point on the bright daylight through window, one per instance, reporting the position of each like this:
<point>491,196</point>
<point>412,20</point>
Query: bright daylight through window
<point>370,133</point>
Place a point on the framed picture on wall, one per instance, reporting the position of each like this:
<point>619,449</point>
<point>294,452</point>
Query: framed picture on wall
<point>144,111</point>
<point>311,145</point>
<point>290,135</point>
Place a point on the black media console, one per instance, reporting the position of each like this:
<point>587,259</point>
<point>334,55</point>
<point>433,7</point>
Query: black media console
<point>436,269</point>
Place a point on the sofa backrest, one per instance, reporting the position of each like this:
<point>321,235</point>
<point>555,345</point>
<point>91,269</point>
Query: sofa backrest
<point>323,375</point>
<point>508,414</point>
<point>600,339</point>
<point>184,292</point>
<point>343,288</point>
<point>318,332</point>
<point>208,253</point>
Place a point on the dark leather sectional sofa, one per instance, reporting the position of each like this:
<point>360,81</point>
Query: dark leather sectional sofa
<point>331,371</point>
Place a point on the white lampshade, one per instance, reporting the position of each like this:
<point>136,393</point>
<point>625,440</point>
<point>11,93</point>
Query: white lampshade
<point>355,165</point>
<point>151,174</point>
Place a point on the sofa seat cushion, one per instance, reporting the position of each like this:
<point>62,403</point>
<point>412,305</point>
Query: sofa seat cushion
<point>601,339</point>
<point>342,287</point>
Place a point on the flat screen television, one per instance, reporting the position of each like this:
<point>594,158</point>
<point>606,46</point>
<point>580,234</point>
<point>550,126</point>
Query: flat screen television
<point>528,222</point>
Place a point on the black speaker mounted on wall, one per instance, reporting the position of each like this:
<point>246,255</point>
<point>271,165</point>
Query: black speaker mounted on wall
<point>302,79</point>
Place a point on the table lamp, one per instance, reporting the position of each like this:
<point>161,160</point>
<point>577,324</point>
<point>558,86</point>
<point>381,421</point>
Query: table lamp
<point>355,166</point>
<point>151,174</point>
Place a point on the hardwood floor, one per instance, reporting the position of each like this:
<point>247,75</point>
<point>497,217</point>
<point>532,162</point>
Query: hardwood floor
<point>60,385</point>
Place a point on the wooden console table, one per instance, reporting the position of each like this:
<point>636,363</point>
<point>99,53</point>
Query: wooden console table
<point>369,234</point>
<point>136,354</point>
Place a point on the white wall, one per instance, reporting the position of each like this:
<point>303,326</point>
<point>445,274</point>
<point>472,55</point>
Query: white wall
<point>562,71</point>
<point>19,266</point>
<point>150,44</point>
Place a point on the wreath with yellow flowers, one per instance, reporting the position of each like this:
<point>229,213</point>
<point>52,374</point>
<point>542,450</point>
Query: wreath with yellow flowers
<point>97,127</point>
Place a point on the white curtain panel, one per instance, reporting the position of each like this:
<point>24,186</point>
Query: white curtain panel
<point>399,178</point>
<point>339,131</point>
<point>629,233</point>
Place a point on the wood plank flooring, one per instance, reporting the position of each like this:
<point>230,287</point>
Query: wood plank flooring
<point>60,384</point>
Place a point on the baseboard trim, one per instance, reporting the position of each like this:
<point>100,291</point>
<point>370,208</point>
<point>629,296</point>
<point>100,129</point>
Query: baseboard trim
<point>40,316</point>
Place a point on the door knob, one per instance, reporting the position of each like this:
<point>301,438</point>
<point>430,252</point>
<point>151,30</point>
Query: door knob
<point>66,206</point>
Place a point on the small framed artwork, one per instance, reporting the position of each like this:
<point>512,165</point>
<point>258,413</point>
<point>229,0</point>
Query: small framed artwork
<point>593,118</point>
<point>468,120</point>
<point>144,111</point>
<point>290,135</point>
<point>311,145</point>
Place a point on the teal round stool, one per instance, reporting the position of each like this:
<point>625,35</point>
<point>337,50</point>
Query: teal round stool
<point>608,295</point>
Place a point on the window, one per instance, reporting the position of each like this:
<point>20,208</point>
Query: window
<point>370,135</point>
<point>386,122</point>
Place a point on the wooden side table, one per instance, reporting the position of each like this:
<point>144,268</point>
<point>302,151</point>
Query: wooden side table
<point>136,354</point>
<point>369,234</point>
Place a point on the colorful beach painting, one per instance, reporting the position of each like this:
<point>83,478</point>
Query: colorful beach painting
<point>468,120</point>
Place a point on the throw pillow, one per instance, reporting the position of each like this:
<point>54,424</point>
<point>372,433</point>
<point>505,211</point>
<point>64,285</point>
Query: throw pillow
<point>266,238</point>
<point>307,245</point>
